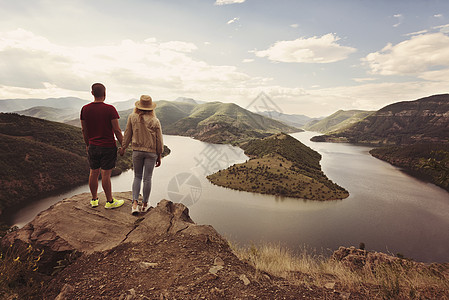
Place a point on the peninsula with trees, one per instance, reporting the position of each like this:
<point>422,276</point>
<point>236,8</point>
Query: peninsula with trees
<point>280,165</point>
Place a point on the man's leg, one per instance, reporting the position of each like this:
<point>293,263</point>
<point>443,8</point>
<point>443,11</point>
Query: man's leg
<point>106,184</point>
<point>107,164</point>
<point>107,188</point>
<point>93,182</point>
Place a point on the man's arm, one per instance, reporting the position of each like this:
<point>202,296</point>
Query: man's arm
<point>84,130</point>
<point>117,130</point>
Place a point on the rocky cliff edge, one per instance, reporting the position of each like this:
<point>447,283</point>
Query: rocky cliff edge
<point>95,253</point>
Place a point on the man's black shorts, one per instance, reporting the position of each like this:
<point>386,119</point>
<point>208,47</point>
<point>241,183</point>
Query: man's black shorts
<point>102,157</point>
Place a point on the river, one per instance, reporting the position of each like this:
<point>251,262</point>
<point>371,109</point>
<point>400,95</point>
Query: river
<point>387,209</point>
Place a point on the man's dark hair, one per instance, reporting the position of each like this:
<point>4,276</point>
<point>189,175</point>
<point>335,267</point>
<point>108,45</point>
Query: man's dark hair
<point>98,90</point>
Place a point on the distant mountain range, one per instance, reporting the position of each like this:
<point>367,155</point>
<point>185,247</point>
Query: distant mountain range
<point>189,100</point>
<point>65,103</point>
<point>49,113</point>
<point>294,120</point>
<point>337,121</point>
<point>408,122</point>
<point>213,122</point>
<point>401,123</point>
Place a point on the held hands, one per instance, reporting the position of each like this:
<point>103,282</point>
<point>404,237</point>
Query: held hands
<point>121,151</point>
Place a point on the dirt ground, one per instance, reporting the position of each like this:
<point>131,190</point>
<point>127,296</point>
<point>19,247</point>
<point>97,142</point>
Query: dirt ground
<point>175,267</point>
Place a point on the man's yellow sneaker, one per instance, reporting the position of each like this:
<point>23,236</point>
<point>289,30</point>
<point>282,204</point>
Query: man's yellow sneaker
<point>94,202</point>
<point>114,204</point>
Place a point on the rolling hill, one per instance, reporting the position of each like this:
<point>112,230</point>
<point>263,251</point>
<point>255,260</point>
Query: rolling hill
<point>213,122</point>
<point>218,122</point>
<point>294,120</point>
<point>337,121</point>
<point>401,123</point>
<point>50,113</point>
<point>168,112</point>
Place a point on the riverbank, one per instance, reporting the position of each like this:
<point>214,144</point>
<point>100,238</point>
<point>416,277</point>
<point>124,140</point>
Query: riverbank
<point>280,165</point>
<point>428,161</point>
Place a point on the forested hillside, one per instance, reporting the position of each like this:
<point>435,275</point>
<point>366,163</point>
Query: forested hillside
<point>39,157</point>
<point>401,123</point>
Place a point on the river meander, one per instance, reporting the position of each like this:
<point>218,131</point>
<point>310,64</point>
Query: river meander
<point>387,209</point>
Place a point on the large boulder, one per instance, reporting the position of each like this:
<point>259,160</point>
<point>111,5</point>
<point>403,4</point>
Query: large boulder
<point>73,226</point>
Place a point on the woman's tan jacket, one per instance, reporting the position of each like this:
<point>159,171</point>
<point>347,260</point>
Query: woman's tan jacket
<point>144,133</point>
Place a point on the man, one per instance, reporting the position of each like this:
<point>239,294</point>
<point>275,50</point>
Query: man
<point>99,123</point>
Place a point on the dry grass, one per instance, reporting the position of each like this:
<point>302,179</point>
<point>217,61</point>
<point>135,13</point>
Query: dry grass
<point>399,280</point>
<point>19,278</point>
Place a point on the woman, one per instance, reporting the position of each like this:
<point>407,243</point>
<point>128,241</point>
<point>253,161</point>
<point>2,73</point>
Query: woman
<point>143,131</point>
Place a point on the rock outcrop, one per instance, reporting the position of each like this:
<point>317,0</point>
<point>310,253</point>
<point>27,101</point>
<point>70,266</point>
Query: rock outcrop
<point>360,259</point>
<point>73,225</point>
<point>95,253</point>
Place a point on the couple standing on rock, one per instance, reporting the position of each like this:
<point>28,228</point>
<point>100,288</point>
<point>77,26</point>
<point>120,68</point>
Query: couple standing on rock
<point>99,123</point>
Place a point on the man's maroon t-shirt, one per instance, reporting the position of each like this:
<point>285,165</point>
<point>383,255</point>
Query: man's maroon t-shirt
<point>98,117</point>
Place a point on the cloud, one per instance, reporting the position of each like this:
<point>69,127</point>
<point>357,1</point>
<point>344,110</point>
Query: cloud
<point>34,67</point>
<point>225,2</point>
<point>365,79</point>
<point>419,54</point>
<point>248,60</point>
<point>400,19</point>
<point>232,21</point>
<point>417,32</point>
<point>436,76</point>
<point>294,25</point>
<point>32,62</point>
<point>442,28</point>
<point>323,49</point>
<point>438,16</point>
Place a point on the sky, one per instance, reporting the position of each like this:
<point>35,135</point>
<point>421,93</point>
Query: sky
<point>310,57</point>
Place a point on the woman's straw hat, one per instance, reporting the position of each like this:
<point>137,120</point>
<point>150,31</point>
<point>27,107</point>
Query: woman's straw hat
<point>145,103</point>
